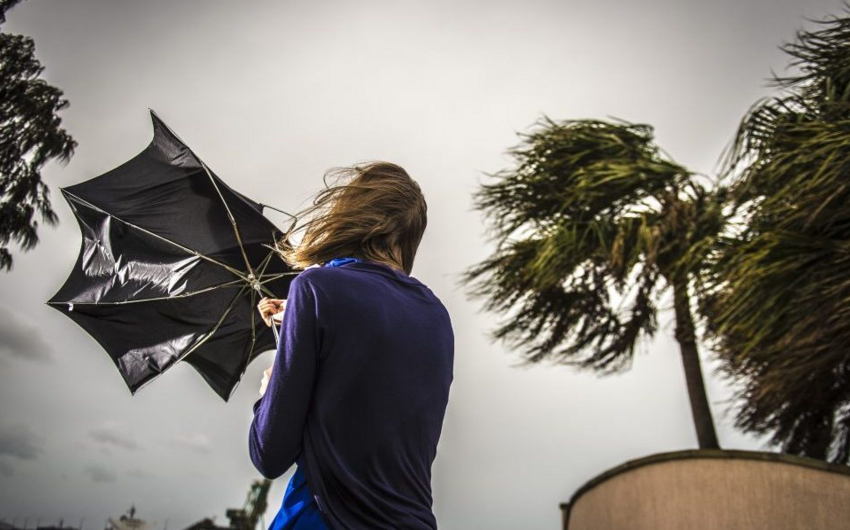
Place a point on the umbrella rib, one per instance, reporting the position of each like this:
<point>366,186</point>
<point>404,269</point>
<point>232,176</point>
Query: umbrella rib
<point>277,210</point>
<point>155,299</point>
<point>261,287</point>
<point>217,325</point>
<point>178,245</point>
<point>263,265</point>
<point>278,276</point>
<point>253,329</point>
<point>229,215</point>
<point>259,284</point>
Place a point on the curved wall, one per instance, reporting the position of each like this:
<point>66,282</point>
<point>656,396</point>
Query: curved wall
<point>714,489</point>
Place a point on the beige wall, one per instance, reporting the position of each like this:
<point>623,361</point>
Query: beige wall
<point>727,493</point>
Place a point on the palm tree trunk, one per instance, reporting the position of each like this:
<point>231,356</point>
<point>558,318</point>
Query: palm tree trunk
<point>686,337</point>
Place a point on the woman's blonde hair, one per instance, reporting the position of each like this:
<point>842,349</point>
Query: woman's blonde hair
<point>369,212</point>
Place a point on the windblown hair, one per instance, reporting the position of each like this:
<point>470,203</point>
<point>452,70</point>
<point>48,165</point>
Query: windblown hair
<point>374,212</point>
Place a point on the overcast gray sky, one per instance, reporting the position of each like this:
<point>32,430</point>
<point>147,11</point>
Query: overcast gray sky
<point>272,94</point>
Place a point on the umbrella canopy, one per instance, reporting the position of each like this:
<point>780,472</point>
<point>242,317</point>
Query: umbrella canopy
<point>171,267</point>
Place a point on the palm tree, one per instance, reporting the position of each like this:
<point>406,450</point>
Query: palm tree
<point>593,219</point>
<point>778,300</point>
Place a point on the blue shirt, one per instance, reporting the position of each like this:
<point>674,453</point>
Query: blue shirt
<point>357,395</point>
<point>299,510</point>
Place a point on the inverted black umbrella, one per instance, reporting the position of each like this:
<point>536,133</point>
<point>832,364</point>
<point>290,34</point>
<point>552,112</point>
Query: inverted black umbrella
<point>171,267</point>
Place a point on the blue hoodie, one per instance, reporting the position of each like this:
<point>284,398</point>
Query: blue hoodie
<point>358,394</point>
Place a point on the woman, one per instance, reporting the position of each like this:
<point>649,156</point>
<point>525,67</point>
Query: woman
<point>358,391</point>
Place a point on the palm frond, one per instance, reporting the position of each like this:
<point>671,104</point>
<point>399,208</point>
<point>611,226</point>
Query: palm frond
<point>587,204</point>
<point>778,297</point>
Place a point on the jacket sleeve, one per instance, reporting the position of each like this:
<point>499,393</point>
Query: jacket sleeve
<point>274,440</point>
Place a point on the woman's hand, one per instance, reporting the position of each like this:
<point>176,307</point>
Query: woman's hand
<point>268,307</point>
<point>264,382</point>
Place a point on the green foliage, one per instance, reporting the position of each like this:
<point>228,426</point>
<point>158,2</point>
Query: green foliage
<point>778,300</point>
<point>591,218</point>
<point>30,135</point>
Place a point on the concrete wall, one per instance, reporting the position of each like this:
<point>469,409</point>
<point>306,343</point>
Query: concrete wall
<point>709,490</point>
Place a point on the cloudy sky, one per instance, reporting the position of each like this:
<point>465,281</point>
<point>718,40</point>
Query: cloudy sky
<point>272,94</point>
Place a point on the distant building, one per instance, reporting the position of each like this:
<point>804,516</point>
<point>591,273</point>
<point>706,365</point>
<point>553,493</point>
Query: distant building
<point>128,521</point>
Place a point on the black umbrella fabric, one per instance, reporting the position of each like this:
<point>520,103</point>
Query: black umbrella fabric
<point>171,267</point>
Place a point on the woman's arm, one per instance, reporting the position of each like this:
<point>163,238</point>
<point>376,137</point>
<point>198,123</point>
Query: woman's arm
<point>274,440</point>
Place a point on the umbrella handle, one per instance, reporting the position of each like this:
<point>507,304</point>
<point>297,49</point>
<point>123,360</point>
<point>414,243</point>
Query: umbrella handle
<point>274,327</point>
<point>276,333</point>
